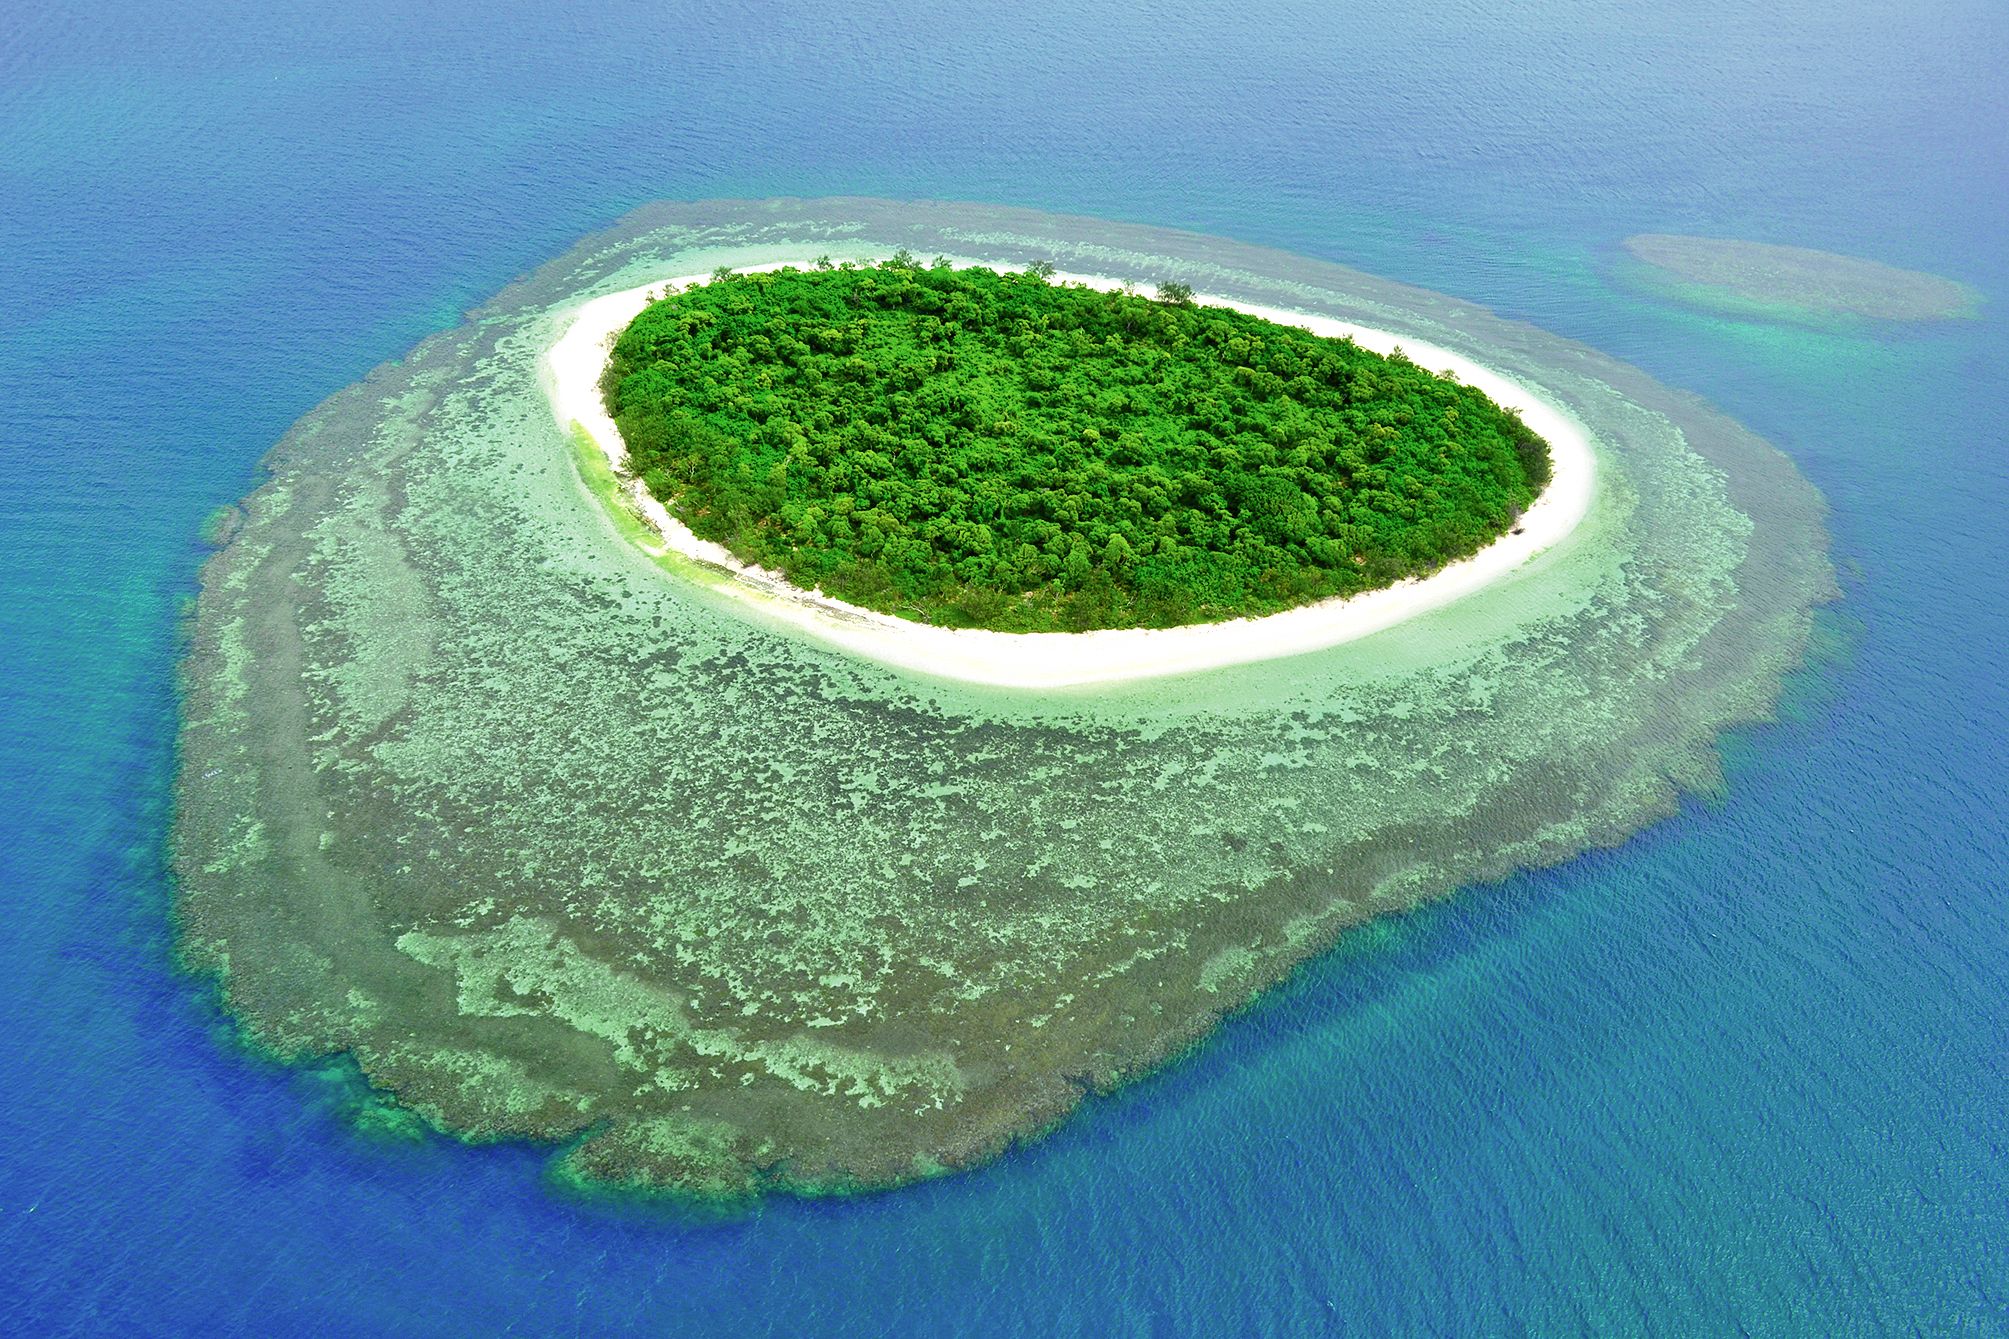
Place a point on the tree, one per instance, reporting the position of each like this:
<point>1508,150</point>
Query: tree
<point>971,448</point>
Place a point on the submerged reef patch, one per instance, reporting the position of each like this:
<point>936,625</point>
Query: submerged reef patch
<point>559,844</point>
<point>1764,279</point>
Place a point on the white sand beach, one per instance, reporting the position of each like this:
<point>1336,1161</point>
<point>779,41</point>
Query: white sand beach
<point>572,372</point>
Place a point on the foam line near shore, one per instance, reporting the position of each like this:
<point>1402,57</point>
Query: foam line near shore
<point>571,376</point>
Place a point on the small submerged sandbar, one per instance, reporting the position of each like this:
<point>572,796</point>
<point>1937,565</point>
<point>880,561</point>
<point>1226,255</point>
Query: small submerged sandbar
<point>1818,282</point>
<point>572,372</point>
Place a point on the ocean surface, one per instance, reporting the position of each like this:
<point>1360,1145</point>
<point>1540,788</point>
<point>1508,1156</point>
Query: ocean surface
<point>1747,1073</point>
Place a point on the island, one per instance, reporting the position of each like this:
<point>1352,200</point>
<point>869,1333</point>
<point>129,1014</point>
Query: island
<point>576,370</point>
<point>1797,280</point>
<point>976,449</point>
<point>540,829</point>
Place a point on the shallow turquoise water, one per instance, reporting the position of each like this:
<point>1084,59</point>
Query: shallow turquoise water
<point>1747,1070</point>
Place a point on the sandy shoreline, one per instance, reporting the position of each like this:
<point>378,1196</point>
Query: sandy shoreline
<point>571,376</point>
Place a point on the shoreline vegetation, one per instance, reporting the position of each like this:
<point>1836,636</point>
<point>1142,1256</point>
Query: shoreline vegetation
<point>577,372</point>
<point>974,449</point>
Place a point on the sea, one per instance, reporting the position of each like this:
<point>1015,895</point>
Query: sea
<point>1747,1073</point>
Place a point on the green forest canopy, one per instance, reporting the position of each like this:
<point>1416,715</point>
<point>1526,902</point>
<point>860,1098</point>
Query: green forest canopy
<point>971,448</point>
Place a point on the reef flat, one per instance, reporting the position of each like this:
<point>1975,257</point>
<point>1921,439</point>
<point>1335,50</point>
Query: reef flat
<point>560,844</point>
<point>1795,280</point>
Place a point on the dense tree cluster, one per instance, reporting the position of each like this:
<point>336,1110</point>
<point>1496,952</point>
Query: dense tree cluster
<point>981,449</point>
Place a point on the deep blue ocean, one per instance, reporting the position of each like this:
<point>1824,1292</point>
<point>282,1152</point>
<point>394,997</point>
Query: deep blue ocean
<point>1746,1074</point>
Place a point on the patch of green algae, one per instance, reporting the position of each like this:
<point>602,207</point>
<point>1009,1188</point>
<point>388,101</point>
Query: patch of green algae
<point>558,843</point>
